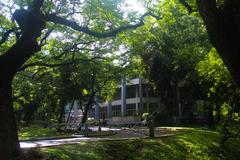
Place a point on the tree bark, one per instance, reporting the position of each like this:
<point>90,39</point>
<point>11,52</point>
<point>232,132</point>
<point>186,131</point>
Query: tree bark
<point>62,110</point>
<point>86,110</point>
<point>31,24</point>
<point>9,144</point>
<point>62,105</point>
<point>210,117</point>
<point>223,27</point>
<point>218,112</point>
<point>69,114</point>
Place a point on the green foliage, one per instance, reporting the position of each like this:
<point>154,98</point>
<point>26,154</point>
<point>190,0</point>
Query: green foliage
<point>222,92</point>
<point>145,116</point>
<point>213,72</point>
<point>198,144</point>
<point>170,48</point>
<point>70,62</point>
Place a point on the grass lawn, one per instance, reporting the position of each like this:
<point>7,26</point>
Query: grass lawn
<point>195,145</point>
<point>35,132</point>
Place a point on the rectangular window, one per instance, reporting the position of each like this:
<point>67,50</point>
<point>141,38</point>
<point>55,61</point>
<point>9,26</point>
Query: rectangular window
<point>131,91</point>
<point>148,91</point>
<point>103,112</point>
<point>130,109</point>
<point>117,95</point>
<point>116,111</point>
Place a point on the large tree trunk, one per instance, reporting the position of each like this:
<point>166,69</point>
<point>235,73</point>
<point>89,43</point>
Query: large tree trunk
<point>85,115</point>
<point>31,24</point>
<point>223,26</point>
<point>62,105</point>
<point>86,110</point>
<point>9,144</point>
<point>218,112</point>
<point>62,110</point>
<point>210,116</point>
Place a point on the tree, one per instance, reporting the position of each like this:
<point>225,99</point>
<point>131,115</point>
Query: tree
<point>30,33</point>
<point>223,94</point>
<point>91,79</point>
<point>80,68</point>
<point>170,49</point>
<point>222,21</point>
<point>36,91</point>
<point>216,83</point>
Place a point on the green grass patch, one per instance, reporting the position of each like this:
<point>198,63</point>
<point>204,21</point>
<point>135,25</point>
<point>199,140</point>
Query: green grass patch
<point>35,132</point>
<point>197,144</point>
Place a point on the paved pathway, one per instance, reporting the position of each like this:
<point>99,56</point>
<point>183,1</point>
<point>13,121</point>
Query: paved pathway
<point>121,135</point>
<point>55,142</point>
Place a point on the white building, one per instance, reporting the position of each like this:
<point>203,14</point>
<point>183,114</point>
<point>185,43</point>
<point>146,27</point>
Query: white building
<point>132,98</point>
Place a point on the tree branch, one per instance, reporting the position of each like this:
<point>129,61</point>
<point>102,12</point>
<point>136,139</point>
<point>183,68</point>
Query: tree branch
<point>187,6</point>
<point>31,25</point>
<point>37,4</point>
<point>5,36</point>
<point>73,47</point>
<point>57,64</point>
<point>207,8</point>
<point>44,65</point>
<point>209,13</point>
<point>59,20</point>
<point>43,40</point>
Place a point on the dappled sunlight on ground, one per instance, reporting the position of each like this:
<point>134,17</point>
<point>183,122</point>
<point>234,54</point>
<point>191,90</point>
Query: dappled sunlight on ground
<point>36,132</point>
<point>106,134</point>
<point>195,144</point>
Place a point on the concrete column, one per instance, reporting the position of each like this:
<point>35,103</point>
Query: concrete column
<point>97,108</point>
<point>136,91</point>
<point>147,99</point>
<point>75,108</point>
<point>137,109</point>
<point>67,110</point>
<point>109,109</point>
<point>140,107</point>
<point>123,97</point>
<point>136,96</point>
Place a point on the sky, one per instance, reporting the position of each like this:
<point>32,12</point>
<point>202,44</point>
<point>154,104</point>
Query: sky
<point>135,5</point>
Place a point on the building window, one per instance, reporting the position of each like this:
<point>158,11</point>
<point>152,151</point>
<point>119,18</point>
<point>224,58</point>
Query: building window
<point>116,111</point>
<point>148,91</point>
<point>130,109</point>
<point>117,94</point>
<point>103,112</point>
<point>131,92</point>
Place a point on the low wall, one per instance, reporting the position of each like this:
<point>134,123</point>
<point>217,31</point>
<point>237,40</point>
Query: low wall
<point>125,119</point>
